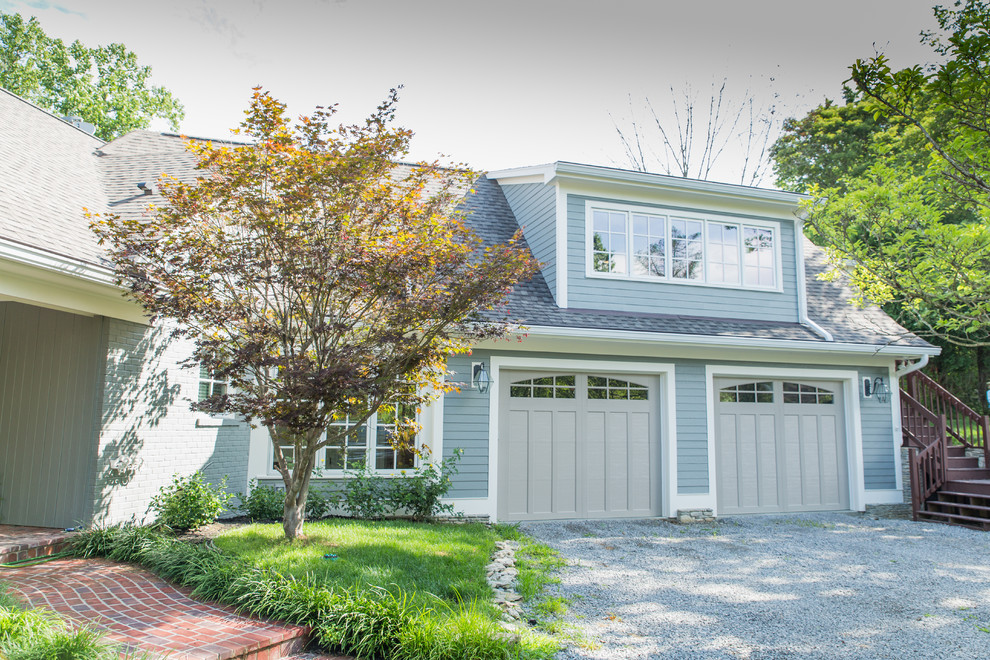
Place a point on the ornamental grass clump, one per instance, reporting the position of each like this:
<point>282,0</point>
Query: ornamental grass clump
<point>359,621</point>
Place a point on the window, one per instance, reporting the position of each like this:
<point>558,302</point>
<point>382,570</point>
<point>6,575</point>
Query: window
<point>798,393</point>
<point>761,392</point>
<point>371,443</point>
<point>637,244</point>
<point>547,387</point>
<point>208,385</point>
<point>600,387</point>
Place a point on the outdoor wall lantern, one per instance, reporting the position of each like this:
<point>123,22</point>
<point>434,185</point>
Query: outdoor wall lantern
<point>876,388</point>
<point>481,380</point>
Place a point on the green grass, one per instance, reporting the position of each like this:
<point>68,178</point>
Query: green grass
<point>37,634</point>
<point>447,561</point>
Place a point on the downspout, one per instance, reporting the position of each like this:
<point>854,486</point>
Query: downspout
<point>905,370</point>
<point>803,317</point>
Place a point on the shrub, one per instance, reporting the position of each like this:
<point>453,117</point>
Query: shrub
<point>418,494</point>
<point>189,502</point>
<point>365,494</point>
<point>319,503</point>
<point>263,502</point>
<point>415,493</point>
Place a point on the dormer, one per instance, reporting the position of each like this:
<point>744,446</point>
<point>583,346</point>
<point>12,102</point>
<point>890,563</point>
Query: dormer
<point>618,240</point>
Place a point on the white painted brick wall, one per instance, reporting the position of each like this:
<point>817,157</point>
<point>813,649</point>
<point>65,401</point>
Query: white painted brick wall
<point>146,417</point>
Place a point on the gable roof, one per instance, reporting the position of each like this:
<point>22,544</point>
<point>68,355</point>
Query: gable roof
<point>51,170</point>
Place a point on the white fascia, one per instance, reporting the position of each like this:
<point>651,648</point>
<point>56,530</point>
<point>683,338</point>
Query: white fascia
<point>854,426</point>
<point>560,238</point>
<point>45,279</point>
<point>533,174</point>
<point>653,338</point>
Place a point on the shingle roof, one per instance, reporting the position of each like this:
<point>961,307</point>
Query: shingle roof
<point>48,174</point>
<point>49,171</point>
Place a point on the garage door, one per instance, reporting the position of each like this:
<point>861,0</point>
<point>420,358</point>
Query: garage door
<point>578,446</point>
<point>780,446</point>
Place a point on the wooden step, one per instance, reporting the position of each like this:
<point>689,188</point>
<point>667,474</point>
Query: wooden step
<point>967,474</point>
<point>972,508</point>
<point>967,521</point>
<point>953,493</point>
<point>955,451</point>
<point>954,462</point>
<point>976,486</point>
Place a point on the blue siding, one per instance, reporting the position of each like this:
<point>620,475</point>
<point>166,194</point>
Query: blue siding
<point>692,427</point>
<point>534,205</point>
<point>465,426</point>
<point>881,458</point>
<point>466,423</point>
<point>671,298</point>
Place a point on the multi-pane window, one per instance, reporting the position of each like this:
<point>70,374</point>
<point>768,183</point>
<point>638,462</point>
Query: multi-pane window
<point>380,443</point>
<point>609,246</point>
<point>761,392</point>
<point>798,393</point>
<point>686,250</point>
<point>349,452</point>
<point>209,385</point>
<point>645,245</point>
<point>547,387</point>
<point>394,449</point>
<point>758,257</point>
<point>649,245</point>
<point>600,387</point>
<point>723,253</point>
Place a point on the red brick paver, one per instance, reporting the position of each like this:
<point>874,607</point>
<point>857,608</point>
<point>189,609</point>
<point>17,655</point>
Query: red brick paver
<point>143,612</point>
<point>19,542</point>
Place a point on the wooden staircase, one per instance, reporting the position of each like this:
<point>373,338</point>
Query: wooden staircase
<point>945,439</point>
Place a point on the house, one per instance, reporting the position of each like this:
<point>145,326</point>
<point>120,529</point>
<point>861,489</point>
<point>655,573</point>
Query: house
<point>679,354</point>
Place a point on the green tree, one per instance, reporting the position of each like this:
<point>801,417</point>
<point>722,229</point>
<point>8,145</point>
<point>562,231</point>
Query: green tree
<point>899,174</point>
<point>104,85</point>
<point>317,277</point>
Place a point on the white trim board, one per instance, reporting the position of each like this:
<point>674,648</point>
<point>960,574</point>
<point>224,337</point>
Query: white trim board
<point>668,416</point>
<point>854,425</point>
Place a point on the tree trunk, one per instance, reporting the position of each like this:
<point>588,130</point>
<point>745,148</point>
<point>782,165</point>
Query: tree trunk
<point>296,483</point>
<point>982,376</point>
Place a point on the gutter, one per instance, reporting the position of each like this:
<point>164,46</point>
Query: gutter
<point>50,261</point>
<point>732,342</point>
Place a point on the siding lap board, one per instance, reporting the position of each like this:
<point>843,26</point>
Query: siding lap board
<point>534,205</point>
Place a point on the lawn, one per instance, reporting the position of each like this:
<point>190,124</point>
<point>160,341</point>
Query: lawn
<point>447,561</point>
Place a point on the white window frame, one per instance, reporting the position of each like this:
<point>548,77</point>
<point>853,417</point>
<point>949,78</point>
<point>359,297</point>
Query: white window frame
<point>672,214</point>
<point>371,431</point>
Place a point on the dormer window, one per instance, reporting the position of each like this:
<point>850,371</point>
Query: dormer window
<point>639,244</point>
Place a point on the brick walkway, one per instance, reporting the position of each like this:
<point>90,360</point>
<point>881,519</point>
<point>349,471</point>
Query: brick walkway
<point>145,613</point>
<point>18,542</point>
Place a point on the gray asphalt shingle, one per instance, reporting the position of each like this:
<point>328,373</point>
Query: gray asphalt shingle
<point>50,171</point>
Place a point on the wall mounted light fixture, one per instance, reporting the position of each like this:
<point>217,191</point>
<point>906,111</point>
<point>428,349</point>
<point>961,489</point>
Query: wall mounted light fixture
<point>481,380</point>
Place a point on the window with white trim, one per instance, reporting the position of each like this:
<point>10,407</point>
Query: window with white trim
<point>675,247</point>
<point>209,385</point>
<point>373,444</point>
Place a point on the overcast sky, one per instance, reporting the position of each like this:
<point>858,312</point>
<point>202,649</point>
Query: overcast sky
<point>493,83</point>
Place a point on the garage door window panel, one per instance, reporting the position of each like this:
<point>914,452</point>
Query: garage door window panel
<point>600,387</point>
<point>760,392</point>
<point>547,387</point>
<point>800,393</point>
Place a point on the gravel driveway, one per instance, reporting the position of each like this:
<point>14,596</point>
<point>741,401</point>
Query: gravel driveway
<point>799,586</point>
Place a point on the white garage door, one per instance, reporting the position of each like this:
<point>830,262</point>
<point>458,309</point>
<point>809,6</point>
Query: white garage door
<point>780,446</point>
<point>578,446</point>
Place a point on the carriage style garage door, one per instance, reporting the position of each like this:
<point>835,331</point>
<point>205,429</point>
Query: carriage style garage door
<point>578,446</point>
<point>780,446</point>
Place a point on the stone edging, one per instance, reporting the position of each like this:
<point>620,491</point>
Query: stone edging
<point>501,576</point>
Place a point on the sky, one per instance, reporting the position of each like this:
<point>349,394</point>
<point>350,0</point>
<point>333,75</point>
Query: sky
<point>497,83</point>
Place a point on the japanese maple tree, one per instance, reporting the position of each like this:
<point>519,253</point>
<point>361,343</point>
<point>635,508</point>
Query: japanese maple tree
<point>316,276</point>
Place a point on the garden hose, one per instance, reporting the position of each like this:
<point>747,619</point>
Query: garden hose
<point>22,563</point>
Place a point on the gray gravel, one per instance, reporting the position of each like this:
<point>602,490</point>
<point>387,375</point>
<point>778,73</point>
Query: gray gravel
<point>799,586</point>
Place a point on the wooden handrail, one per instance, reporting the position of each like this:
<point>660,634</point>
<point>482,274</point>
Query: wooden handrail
<point>928,465</point>
<point>964,425</point>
